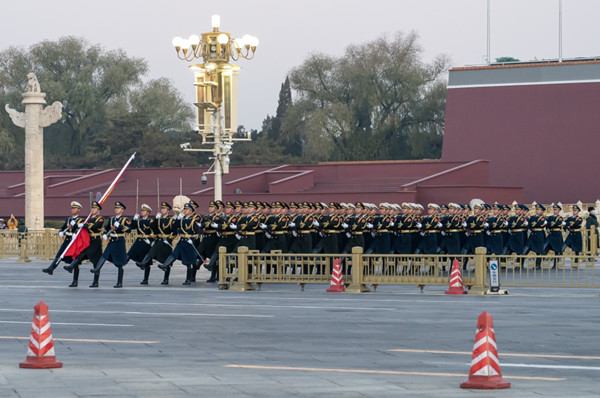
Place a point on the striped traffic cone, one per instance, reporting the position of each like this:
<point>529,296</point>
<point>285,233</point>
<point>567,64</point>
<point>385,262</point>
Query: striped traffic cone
<point>456,281</point>
<point>337,279</point>
<point>485,365</point>
<point>40,354</point>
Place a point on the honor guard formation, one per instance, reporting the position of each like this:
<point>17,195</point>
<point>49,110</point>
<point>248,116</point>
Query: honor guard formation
<point>308,227</point>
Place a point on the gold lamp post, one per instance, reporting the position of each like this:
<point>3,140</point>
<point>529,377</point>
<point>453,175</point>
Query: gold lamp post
<point>216,82</point>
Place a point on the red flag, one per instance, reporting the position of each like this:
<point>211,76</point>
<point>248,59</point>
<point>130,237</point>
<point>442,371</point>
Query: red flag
<point>82,241</point>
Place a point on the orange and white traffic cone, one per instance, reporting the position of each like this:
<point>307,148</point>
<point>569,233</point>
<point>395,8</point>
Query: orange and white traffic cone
<point>456,281</point>
<point>40,354</point>
<point>485,366</point>
<point>337,279</point>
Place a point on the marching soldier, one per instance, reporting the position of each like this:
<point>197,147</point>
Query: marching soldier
<point>554,239</point>
<point>452,225</point>
<point>430,225</point>
<point>188,229</point>
<point>248,223</point>
<point>474,226</point>
<point>67,231</point>
<point>145,227</point>
<point>276,229</point>
<point>573,225</point>
<point>94,226</point>
<point>162,247</point>
<point>210,236</point>
<point>226,229</point>
<point>494,225</point>
<point>115,251</point>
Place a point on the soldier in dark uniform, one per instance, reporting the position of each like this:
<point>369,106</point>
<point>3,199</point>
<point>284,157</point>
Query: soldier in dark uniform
<point>354,224</point>
<point>67,231</point>
<point>591,224</point>
<point>493,226</point>
<point>248,224</point>
<point>115,251</point>
<point>406,228</point>
<point>537,236</point>
<point>517,230</point>
<point>573,225</point>
<point>164,232</point>
<point>210,236</point>
<point>554,239</point>
<point>226,229</point>
<point>188,229</point>
<point>430,227</point>
<point>452,228</point>
<point>474,226</point>
<point>302,229</point>
<point>94,226</point>
<point>277,228</point>
<point>145,226</point>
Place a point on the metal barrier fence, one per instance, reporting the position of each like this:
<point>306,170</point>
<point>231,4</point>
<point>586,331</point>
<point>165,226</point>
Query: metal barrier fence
<point>245,269</point>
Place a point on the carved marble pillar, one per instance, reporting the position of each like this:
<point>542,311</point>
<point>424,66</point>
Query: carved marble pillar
<point>34,120</point>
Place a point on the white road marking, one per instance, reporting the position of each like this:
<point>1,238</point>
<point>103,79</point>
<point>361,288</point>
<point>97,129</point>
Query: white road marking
<point>310,307</point>
<point>75,324</point>
<point>146,313</point>
<point>526,365</point>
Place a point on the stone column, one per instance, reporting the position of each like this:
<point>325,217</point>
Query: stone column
<point>34,120</point>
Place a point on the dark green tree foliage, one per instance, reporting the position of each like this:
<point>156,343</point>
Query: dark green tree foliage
<point>107,111</point>
<point>378,101</point>
<point>506,59</point>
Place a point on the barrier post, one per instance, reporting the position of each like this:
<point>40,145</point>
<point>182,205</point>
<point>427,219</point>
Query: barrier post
<point>357,285</point>
<point>242,275</point>
<point>23,252</point>
<point>479,285</point>
<point>222,267</point>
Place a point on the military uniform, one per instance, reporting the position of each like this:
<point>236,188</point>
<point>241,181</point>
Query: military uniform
<point>115,251</point>
<point>162,246</point>
<point>67,231</point>
<point>494,231</point>
<point>537,236</point>
<point>573,225</point>
<point>517,231</point>
<point>93,252</point>
<point>146,234</point>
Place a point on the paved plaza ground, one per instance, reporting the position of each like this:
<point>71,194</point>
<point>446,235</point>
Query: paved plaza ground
<point>172,341</point>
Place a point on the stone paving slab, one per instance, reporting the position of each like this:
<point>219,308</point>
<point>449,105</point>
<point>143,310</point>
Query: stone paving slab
<point>171,341</point>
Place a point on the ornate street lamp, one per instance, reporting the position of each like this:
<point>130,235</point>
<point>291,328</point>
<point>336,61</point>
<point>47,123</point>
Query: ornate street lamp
<point>216,82</point>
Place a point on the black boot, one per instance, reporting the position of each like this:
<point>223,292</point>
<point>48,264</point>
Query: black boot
<point>74,264</point>
<point>98,267</point>
<point>188,276</point>
<point>96,278</point>
<point>119,277</point>
<point>52,266</point>
<point>166,278</point>
<point>214,275</point>
<point>168,262</point>
<point>75,277</point>
<point>146,275</point>
<point>193,272</point>
<point>147,260</point>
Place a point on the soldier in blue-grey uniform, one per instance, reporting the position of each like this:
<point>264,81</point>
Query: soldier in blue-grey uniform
<point>145,227</point>
<point>67,231</point>
<point>573,225</point>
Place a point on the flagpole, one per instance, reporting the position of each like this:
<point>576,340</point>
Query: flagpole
<point>101,201</point>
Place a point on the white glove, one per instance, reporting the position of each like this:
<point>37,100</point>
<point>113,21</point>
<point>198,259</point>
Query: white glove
<point>73,222</point>
<point>80,225</point>
<point>392,224</point>
<point>61,233</point>
<point>136,216</point>
<point>505,223</point>
<point>238,236</point>
<point>180,216</point>
<point>214,224</point>
<point>268,235</point>
<point>526,223</point>
<point>443,233</point>
<point>464,224</point>
<point>545,222</point>
<point>488,232</point>
<point>563,223</point>
<point>262,226</point>
<point>105,237</point>
<point>294,233</point>
<point>315,223</point>
<point>157,216</point>
<point>348,234</point>
<point>486,225</point>
<point>117,224</point>
<point>147,240</point>
<point>232,226</point>
<point>373,234</point>
<point>292,224</point>
<point>369,225</point>
<point>419,225</point>
<point>440,225</point>
<point>165,241</point>
<point>344,225</point>
<point>422,233</point>
<point>191,242</point>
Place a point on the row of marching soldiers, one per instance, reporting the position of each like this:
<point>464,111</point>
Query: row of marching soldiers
<point>310,228</point>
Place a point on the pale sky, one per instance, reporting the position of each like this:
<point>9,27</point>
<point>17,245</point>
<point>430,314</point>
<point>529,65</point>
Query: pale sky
<point>290,30</point>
